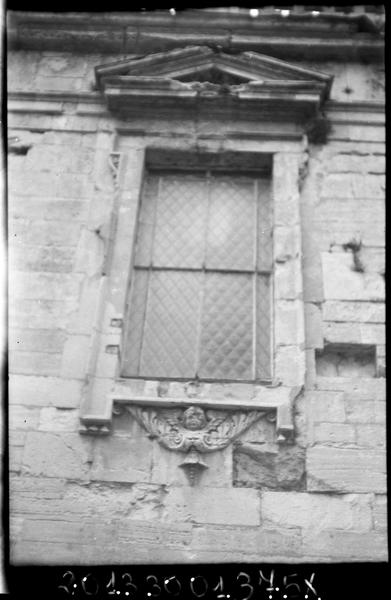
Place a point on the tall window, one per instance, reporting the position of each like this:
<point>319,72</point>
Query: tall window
<point>200,294</point>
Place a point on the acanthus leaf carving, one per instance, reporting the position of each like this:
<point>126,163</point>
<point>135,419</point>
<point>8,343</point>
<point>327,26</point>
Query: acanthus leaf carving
<point>193,427</point>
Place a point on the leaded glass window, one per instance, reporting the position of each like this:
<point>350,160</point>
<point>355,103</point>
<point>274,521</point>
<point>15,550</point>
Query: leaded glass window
<point>200,293</point>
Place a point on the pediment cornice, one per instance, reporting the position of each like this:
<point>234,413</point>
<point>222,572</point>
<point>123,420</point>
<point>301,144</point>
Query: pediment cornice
<point>248,85</point>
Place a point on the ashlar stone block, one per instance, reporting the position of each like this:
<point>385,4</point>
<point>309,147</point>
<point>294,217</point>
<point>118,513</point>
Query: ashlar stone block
<point>346,469</point>
<point>65,455</point>
<point>314,511</point>
<point>212,505</point>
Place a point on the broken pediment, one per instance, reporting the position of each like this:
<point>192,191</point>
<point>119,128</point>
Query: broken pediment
<point>206,78</point>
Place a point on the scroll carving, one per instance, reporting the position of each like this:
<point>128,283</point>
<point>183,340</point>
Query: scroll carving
<point>193,430</point>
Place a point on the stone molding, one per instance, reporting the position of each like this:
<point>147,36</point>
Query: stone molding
<point>329,36</point>
<point>92,104</point>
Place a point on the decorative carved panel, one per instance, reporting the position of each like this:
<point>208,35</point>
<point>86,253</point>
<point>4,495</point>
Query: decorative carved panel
<point>194,430</point>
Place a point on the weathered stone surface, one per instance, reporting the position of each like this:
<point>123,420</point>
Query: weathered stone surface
<point>373,259</point>
<point>234,544</point>
<point>225,539</point>
<point>323,406</point>
<point>31,390</point>
<point>355,333</point>
<point>365,388</point>
<point>46,530</point>
<point>212,505</point>
<point>21,69</point>
<point>52,455</point>
<point>285,189</point>
<point>345,470</point>
<point>15,458</point>
<point>357,312</point>
<point>122,459</point>
<point>313,325</point>
<point>75,356</point>
<point>288,280</point>
<point>259,467</point>
<point>345,162</point>
<point>380,512</point>
<point>45,286</point>
<point>373,436</point>
<point>334,433</point>
<point>287,243</point>
<point>55,419</point>
<point>289,365</point>
<point>38,553</point>
<point>41,497</point>
<point>39,232</point>
<point>363,411</point>
<point>166,468</point>
<point>42,340</point>
<point>90,253</point>
<point>41,314</point>
<point>59,158</point>
<point>342,283</point>
<point>42,258</point>
<point>344,546</point>
<point>289,325</point>
<point>22,417</point>
<point>316,511</point>
<point>340,214</point>
<point>348,185</point>
<point>346,360</point>
<point>35,363</point>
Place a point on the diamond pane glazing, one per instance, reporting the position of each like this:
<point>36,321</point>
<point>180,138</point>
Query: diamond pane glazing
<point>265,228</point>
<point>134,333</point>
<point>231,224</point>
<point>171,324</point>
<point>216,325</point>
<point>263,320</point>
<point>146,219</point>
<point>227,327</point>
<point>180,222</point>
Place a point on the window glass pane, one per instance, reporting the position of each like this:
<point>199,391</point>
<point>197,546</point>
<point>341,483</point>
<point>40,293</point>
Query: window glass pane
<point>265,230</point>
<point>231,224</point>
<point>171,324</point>
<point>263,320</point>
<point>135,325</point>
<point>180,222</point>
<point>227,327</point>
<point>204,323</point>
<point>145,226</point>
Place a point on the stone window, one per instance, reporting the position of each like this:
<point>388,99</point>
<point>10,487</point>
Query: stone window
<point>201,300</point>
<point>200,293</point>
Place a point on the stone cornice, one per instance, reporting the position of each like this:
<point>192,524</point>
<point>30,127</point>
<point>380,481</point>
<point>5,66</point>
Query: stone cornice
<point>96,98</point>
<point>92,104</point>
<point>326,37</point>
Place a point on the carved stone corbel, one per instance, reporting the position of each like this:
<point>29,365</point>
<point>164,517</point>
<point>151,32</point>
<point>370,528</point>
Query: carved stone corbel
<point>194,430</point>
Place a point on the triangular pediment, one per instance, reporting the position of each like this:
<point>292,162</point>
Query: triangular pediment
<point>249,84</point>
<point>200,63</point>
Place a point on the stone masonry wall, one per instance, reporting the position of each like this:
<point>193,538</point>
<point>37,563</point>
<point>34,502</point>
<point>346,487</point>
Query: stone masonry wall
<point>79,499</point>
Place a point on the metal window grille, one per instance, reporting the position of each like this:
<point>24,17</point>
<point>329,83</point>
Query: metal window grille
<point>200,294</point>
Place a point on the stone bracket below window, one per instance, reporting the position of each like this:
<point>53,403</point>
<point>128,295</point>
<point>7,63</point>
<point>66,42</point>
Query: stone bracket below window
<point>272,402</point>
